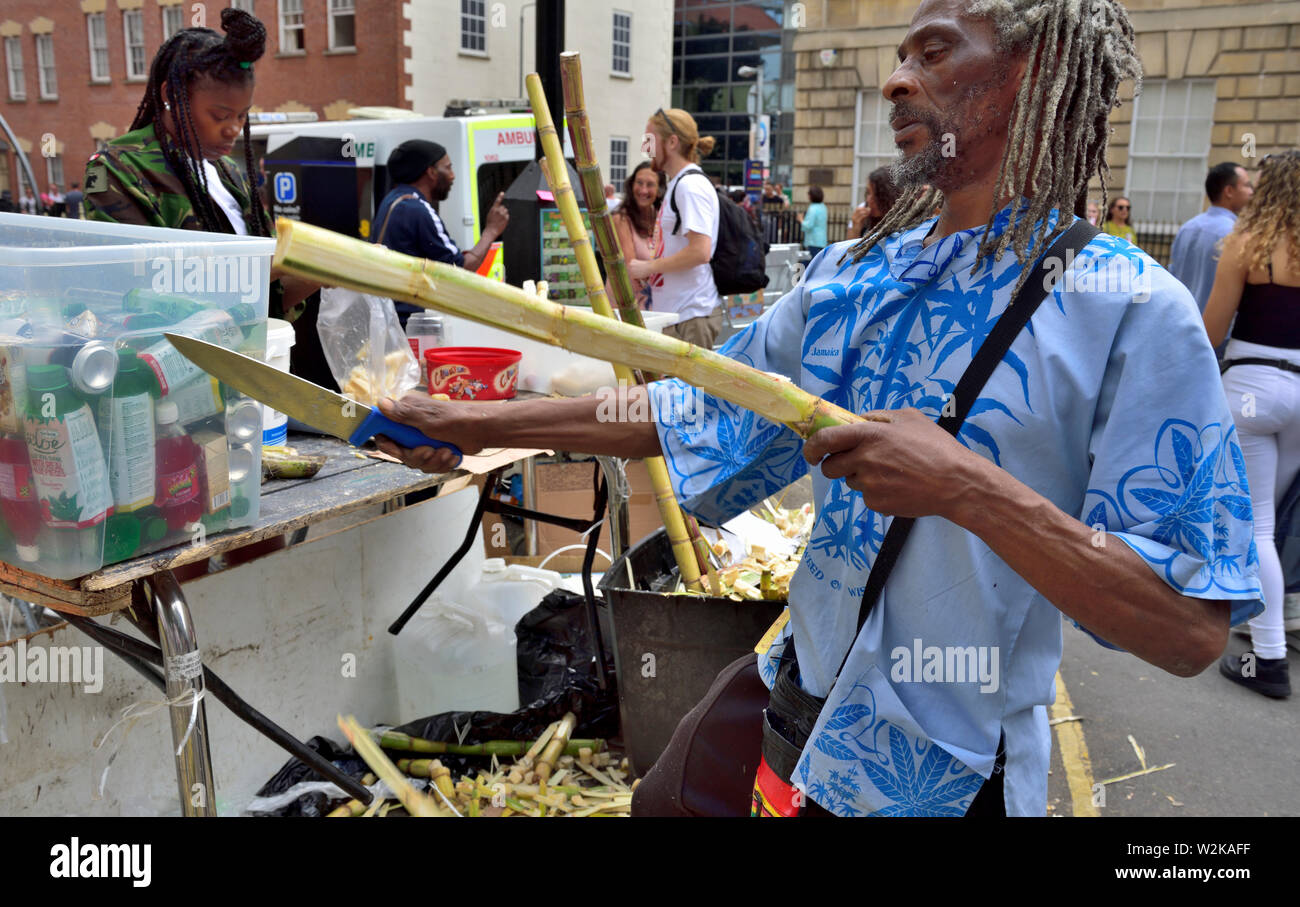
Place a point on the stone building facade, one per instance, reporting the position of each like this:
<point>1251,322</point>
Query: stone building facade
<point>1222,82</point>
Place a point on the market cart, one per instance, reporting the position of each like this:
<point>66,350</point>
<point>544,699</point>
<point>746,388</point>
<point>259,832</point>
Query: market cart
<point>146,589</point>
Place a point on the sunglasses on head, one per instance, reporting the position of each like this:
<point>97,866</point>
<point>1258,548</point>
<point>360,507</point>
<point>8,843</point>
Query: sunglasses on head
<point>1279,155</point>
<point>660,113</point>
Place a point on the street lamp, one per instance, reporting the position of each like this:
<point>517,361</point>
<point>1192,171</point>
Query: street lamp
<point>749,72</point>
<point>756,73</point>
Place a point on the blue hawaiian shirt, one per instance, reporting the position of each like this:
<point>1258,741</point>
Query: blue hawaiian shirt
<point>1109,404</point>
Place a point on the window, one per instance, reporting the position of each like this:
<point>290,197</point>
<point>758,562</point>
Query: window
<point>172,20</point>
<point>617,160</point>
<point>133,28</point>
<point>245,5</point>
<point>45,66</point>
<point>473,26</point>
<point>98,35</point>
<point>873,142</point>
<point>54,171</point>
<point>622,56</point>
<point>343,24</point>
<point>1168,148</point>
<point>14,64</point>
<point>291,36</point>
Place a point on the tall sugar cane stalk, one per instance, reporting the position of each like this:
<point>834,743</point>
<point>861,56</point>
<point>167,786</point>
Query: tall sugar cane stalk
<point>620,282</point>
<point>331,258</point>
<point>684,547</point>
<point>593,188</point>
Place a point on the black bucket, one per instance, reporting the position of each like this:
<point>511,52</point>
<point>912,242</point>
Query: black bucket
<point>669,648</point>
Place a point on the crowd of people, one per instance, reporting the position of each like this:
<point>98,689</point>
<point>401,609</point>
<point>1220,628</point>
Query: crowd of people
<point>54,201</point>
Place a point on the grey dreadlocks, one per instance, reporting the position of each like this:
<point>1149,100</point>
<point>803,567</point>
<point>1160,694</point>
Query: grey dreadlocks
<point>1059,123</point>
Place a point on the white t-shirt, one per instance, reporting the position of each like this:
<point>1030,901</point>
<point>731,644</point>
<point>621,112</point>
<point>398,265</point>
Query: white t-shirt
<point>690,293</point>
<point>221,195</point>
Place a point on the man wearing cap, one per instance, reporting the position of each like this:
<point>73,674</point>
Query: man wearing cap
<point>407,222</point>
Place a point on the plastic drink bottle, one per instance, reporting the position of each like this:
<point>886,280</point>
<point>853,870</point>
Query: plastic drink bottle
<point>126,430</point>
<point>18,502</point>
<point>63,445</point>
<point>178,495</point>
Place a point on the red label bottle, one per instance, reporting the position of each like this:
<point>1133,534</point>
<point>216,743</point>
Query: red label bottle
<point>19,504</point>
<point>177,494</point>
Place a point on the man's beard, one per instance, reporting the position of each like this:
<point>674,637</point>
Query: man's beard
<point>928,164</point>
<point>441,191</point>
<point>951,130</point>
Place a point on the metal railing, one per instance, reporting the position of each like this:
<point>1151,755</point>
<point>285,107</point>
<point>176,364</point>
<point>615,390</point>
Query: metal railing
<point>1156,239</point>
<point>781,224</point>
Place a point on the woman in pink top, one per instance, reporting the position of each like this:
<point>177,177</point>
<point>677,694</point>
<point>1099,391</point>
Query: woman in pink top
<point>636,220</point>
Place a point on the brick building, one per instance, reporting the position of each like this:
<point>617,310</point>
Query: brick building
<point>75,70</point>
<point>1222,82</point>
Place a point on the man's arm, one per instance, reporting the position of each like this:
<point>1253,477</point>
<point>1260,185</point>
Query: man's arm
<point>698,251</point>
<point>580,425</point>
<point>1107,588</point>
<point>497,221</point>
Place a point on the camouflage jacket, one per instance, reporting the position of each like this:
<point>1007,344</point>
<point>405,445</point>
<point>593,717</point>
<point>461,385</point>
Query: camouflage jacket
<point>129,182</point>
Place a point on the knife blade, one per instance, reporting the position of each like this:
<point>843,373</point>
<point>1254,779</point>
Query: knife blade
<point>300,399</point>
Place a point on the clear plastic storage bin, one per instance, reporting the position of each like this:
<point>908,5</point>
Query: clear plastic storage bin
<point>112,444</point>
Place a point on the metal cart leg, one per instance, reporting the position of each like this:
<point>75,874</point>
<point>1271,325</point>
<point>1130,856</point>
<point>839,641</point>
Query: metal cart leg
<point>530,503</point>
<point>184,670</point>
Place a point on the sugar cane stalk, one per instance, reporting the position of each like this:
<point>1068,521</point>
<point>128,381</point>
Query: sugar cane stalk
<point>337,260</point>
<point>416,803</point>
<point>593,188</point>
<point>394,740</point>
<point>557,175</point>
<point>546,764</point>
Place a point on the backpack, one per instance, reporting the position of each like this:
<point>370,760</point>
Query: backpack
<point>738,262</point>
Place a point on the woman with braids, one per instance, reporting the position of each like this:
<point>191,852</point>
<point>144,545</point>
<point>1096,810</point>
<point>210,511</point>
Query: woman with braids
<point>1258,281</point>
<point>171,169</point>
<point>1093,475</point>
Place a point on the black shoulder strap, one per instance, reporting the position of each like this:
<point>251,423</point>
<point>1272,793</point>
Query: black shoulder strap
<point>672,200</point>
<point>990,354</point>
<point>383,228</point>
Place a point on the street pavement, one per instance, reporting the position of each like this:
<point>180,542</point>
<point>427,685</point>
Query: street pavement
<point>1234,752</point>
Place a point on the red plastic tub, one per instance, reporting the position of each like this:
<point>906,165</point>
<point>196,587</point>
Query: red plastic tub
<point>473,372</point>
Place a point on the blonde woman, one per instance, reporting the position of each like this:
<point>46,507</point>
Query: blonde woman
<point>1258,282</point>
<point>680,278</point>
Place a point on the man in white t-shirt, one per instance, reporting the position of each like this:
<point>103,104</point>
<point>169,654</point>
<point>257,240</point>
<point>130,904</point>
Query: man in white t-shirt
<point>680,275</point>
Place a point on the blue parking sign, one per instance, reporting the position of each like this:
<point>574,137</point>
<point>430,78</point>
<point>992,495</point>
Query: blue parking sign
<point>286,188</point>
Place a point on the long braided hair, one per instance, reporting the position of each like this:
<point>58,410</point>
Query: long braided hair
<point>187,56</point>
<point>1079,51</point>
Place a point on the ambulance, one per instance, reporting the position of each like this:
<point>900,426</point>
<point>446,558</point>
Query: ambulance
<point>334,173</point>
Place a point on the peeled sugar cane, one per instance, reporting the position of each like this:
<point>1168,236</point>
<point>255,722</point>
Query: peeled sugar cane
<point>312,252</point>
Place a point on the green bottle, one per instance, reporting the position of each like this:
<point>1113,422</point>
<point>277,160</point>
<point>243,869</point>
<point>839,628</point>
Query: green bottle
<point>67,464</point>
<point>126,430</point>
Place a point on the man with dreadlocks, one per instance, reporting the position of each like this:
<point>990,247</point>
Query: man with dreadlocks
<point>171,169</point>
<point>1096,475</point>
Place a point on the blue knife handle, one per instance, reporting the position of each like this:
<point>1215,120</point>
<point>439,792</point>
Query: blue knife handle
<point>378,424</point>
